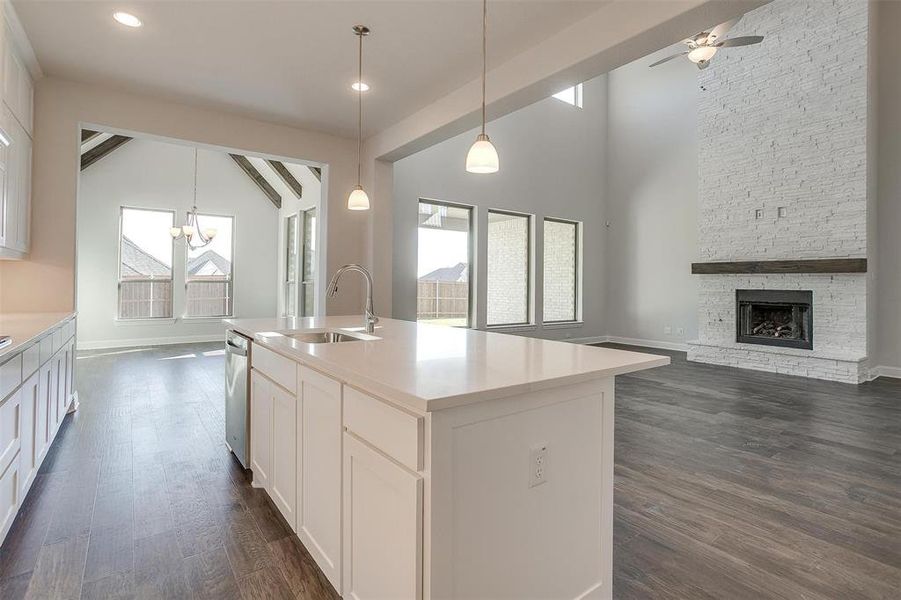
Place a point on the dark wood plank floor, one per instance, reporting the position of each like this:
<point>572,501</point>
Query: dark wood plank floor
<point>139,498</point>
<point>730,484</point>
<point>736,484</point>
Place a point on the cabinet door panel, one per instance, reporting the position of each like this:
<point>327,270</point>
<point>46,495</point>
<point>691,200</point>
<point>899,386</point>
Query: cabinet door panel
<point>382,526</point>
<point>45,409</point>
<point>284,453</point>
<point>10,427</point>
<point>260,429</point>
<point>319,457</point>
<point>9,496</point>
<point>29,453</point>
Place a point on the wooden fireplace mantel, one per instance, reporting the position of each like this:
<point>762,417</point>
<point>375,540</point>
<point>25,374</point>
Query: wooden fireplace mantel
<point>827,265</point>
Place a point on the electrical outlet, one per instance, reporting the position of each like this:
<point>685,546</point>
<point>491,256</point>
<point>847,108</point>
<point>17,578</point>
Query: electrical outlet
<point>538,465</point>
<point>782,212</point>
<point>681,331</point>
<point>668,330</point>
<point>758,214</point>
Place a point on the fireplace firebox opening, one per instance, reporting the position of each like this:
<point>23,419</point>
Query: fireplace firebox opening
<point>774,318</point>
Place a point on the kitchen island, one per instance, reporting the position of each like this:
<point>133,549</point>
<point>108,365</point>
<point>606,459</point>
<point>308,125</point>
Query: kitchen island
<point>433,462</point>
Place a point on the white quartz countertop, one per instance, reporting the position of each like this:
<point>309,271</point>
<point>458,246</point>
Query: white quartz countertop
<point>431,367</point>
<point>24,328</point>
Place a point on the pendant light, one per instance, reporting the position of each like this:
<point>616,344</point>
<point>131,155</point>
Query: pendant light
<point>482,156</point>
<point>358,200</point>
<point>195,237</point>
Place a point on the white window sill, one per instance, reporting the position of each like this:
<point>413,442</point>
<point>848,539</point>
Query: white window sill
<point>519,327</point>
<point>563,325</point>
<point>156,321</point>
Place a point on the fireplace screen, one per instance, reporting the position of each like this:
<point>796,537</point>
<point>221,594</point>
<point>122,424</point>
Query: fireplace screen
<point>775,318</point>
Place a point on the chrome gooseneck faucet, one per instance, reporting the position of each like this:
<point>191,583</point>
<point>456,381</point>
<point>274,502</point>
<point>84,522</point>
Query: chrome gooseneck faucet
<point>369,318</point>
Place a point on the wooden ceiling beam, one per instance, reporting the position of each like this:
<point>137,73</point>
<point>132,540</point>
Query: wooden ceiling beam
<point>102,149</point>
<point>88,134</point>
<point>316,171</point>
<point>285,175</point>
<point>258,179</point>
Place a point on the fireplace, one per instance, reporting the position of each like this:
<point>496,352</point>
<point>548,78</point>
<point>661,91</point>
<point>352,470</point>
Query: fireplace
<point>774,318</point>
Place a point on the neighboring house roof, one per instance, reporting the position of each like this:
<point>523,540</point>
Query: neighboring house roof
<point>459,272</point>
<point>139,263</point>
<point>209,263</point>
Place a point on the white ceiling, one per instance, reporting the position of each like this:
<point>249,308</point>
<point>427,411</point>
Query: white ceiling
<point>289,61</point>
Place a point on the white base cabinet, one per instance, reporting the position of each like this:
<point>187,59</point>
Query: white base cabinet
<point>283,483</point>
<point>36,391</point>
<point>260,429</point>
<point>319,458</point>
<point>382,526</point>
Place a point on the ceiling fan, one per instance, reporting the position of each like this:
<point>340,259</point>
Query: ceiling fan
<point>702,46</point>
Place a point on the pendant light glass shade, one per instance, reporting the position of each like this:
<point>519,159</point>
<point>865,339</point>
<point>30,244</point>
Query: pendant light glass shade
<point>358,200</point>
<point>482,156</point>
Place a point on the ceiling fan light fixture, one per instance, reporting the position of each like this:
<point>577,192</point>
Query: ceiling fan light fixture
<point>701,54</point>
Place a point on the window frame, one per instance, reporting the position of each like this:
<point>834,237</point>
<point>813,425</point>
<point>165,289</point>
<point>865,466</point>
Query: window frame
<point>577,279</point>
<point>471,254</point>
<point>231,275</point>
<point>530,266</point>
<point>119,280</point>
<point>577,95</point>
<point>302,282</point>
<point>291,311</point>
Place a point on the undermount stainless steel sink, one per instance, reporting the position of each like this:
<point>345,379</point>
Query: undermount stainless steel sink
<point>324,337</point>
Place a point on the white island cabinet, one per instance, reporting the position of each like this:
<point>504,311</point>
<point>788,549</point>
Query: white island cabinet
<point>432,462</point>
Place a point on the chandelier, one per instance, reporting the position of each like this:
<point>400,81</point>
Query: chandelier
<point>195,236</point>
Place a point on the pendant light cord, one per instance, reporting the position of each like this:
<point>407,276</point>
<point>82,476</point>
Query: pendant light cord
<point>484,57</point>
<point>360,112</point>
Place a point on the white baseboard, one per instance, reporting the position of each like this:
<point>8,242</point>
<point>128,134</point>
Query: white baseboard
<point>157,341</point>
<point>661,344</point>
<point>615,339</point>
<point>884,371</point>
<point>597,339</point>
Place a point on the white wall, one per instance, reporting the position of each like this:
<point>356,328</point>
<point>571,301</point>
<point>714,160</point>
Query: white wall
<point>151,174</point>
<point>552,163</point>
<point>652,196</point>
<point>888,314</point>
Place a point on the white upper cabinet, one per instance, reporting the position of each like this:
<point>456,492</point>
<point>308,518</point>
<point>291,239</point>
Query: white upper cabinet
<point>16,127</point>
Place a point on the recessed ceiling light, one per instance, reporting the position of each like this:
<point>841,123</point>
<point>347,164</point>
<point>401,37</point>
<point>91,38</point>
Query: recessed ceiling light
<point>360,86</point>
<point>127,19</point>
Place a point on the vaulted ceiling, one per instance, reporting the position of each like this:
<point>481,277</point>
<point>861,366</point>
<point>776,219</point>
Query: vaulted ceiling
<point>290,62</point>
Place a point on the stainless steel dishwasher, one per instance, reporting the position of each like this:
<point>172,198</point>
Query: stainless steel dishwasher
<point>237,395</point>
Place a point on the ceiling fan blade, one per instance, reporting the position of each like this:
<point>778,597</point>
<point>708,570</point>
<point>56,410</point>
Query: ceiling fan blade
<point>746,40</point>
<point>668,58</point>
<point>721,30</point>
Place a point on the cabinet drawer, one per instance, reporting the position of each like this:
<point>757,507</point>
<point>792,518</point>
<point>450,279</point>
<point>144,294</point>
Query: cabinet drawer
<point>279,369</point>
<point>31,360</point>
<point>10,375</point>
<point>46,348</point>
<point>393,431</point>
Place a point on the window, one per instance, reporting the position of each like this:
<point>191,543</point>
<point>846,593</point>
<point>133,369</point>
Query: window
<point>445,254</point>
<point>308,263</point>
<point>145,263</point>
<point>291,266</point>
<point>571,95</point>
<point>509,268</point>
<point>561,270</point>
<point>208,271</point>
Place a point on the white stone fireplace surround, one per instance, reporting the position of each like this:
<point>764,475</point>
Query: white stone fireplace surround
<point>783,176</point>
